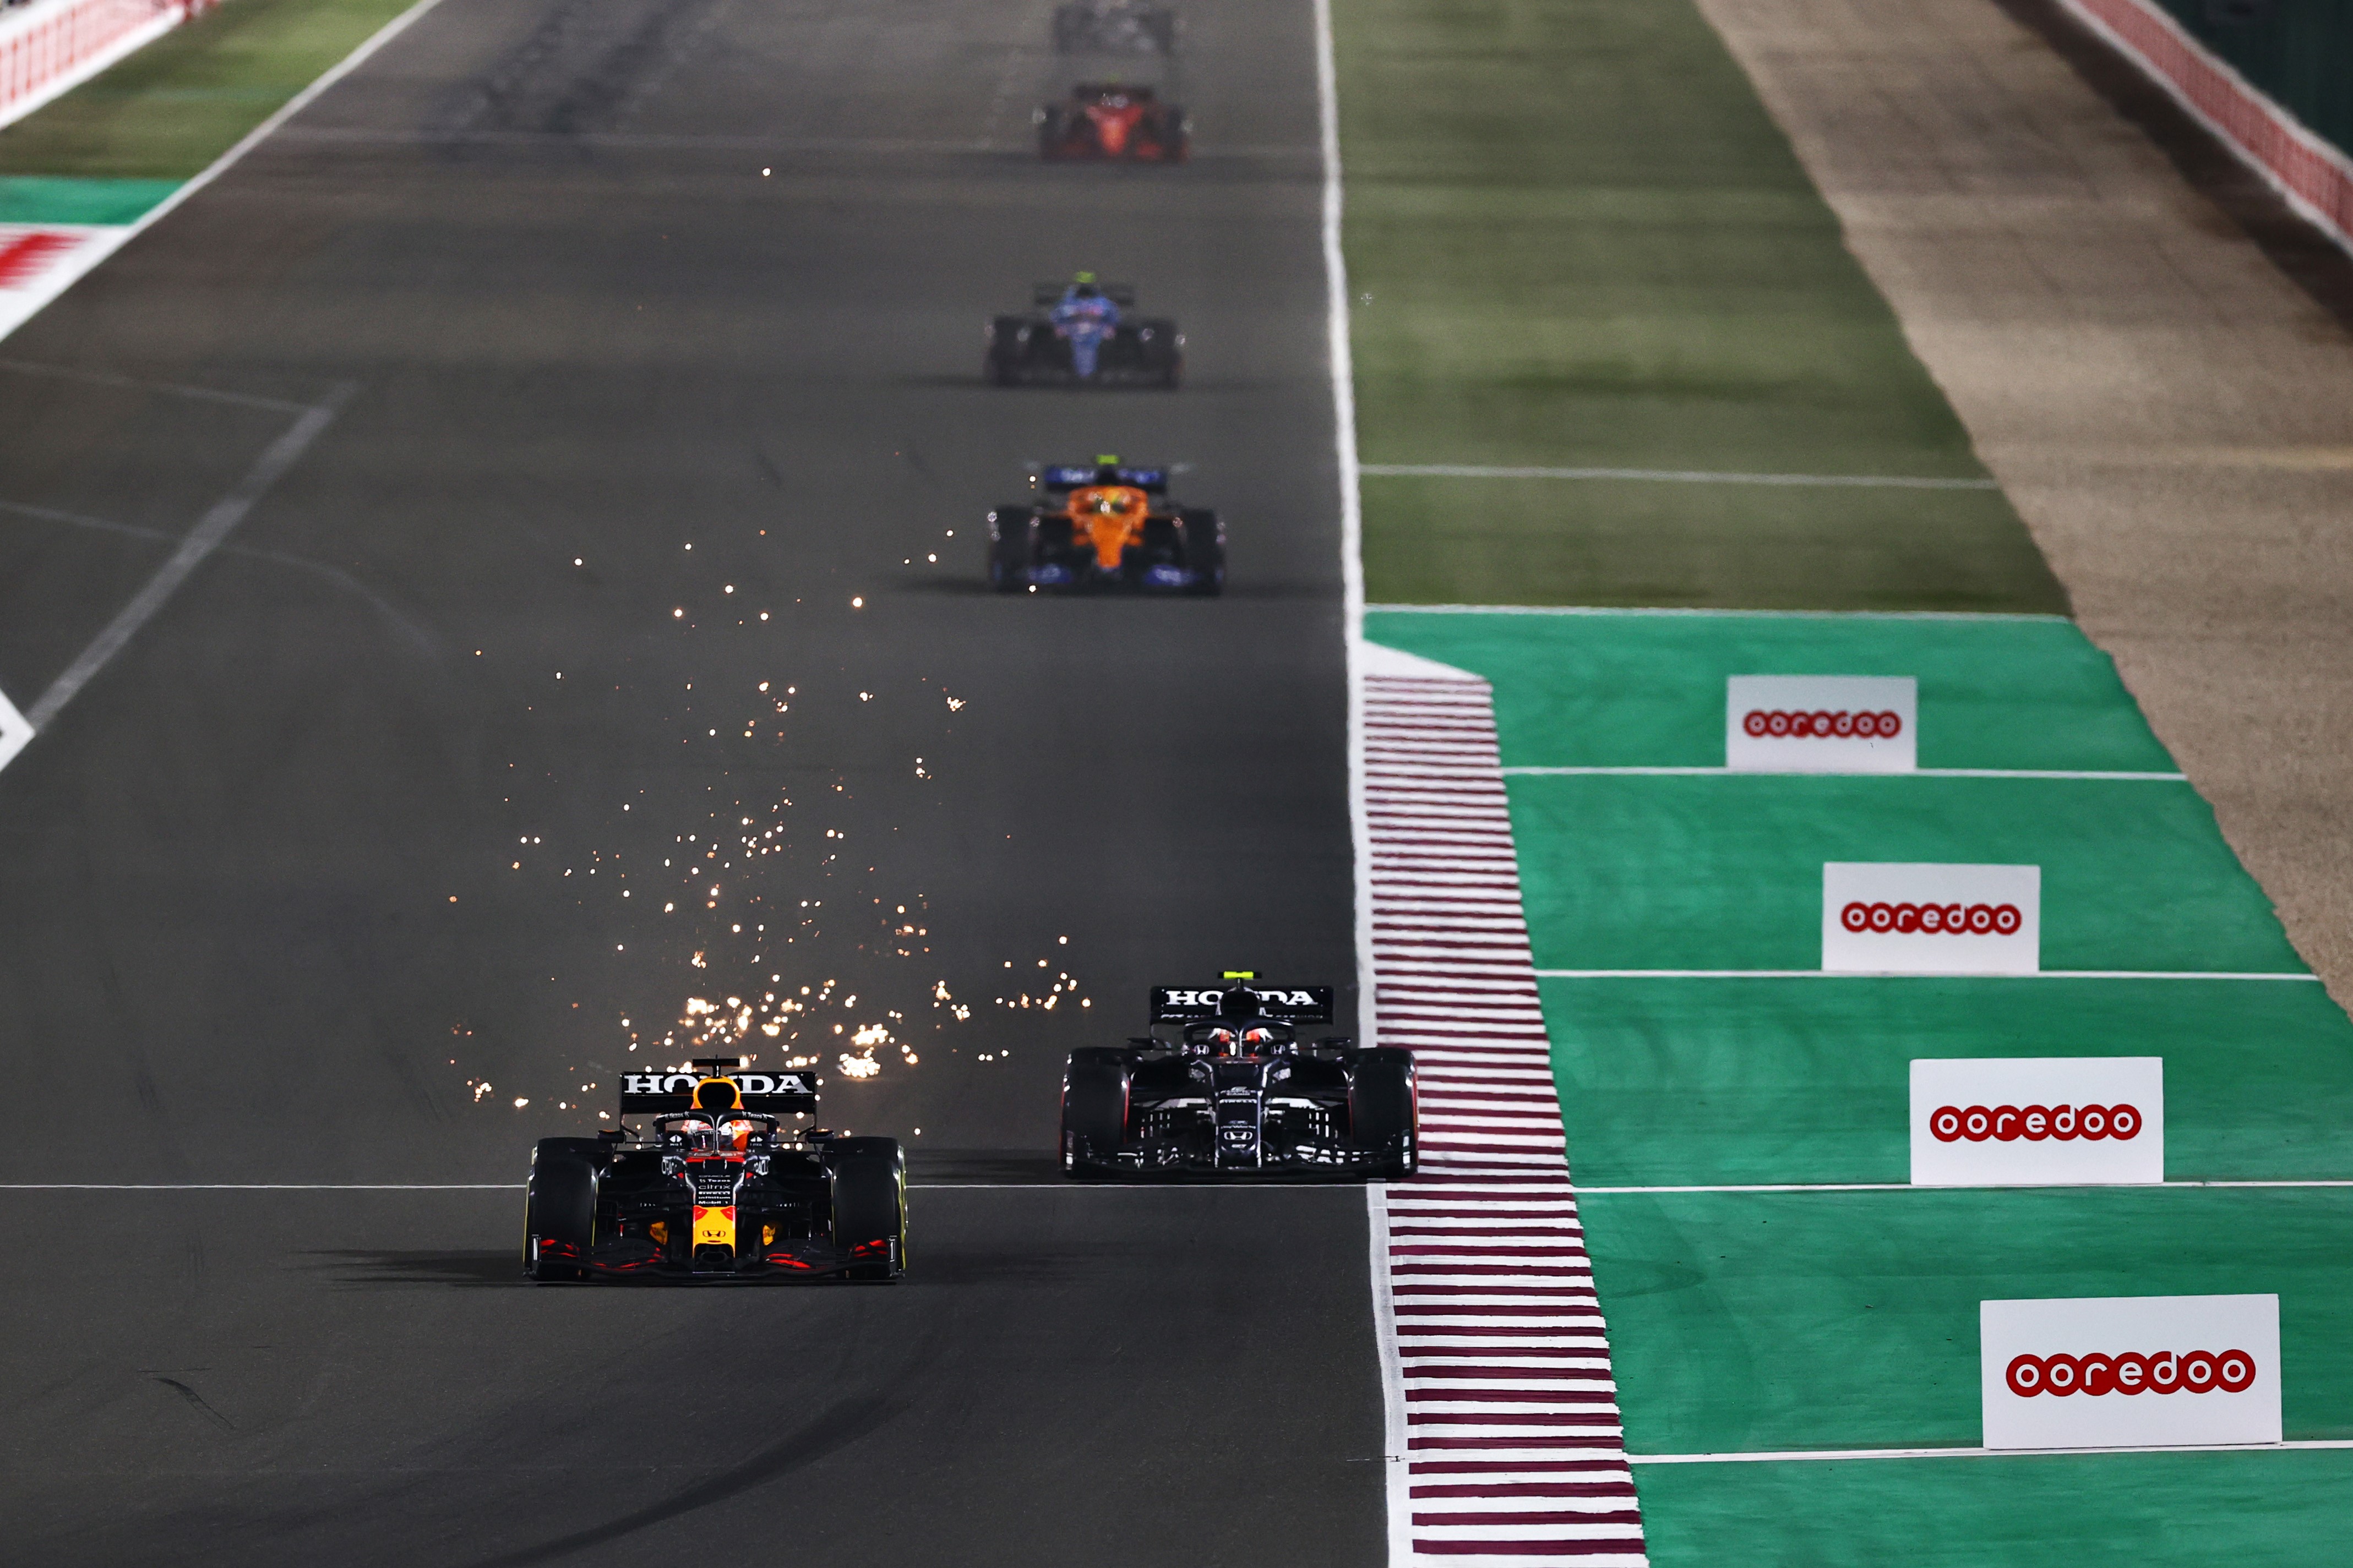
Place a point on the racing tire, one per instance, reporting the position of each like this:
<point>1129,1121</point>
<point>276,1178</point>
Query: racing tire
<point>1011,547</point>
<point>559,1207</point>
<point>870,1202</point>
<point>1382,1108</point>
<point>1053,133</point>
<point>1205,551</point>
<point>1094,1111</point>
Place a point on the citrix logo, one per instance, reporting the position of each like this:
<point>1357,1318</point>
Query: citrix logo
<point>1822,726</point>
<point>2008,1123</point>
<point>2163,1371</point>
<point>1946,919</point>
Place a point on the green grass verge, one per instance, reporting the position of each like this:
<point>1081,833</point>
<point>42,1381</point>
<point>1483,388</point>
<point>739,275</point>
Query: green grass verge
<point>41,198</point>
<point>182,101</point>
<point>1648,690</point>
<point>1586,244</point>
<point>2138,1510</point>
<point>1748,1322</point>
<point>1688,1082</point>
<point>1724,871</point>
<point>1763,1322</point>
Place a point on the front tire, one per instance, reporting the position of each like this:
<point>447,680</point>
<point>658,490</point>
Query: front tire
<point>559,1209</point>
<point>1382,1108</point>
<point>1094,1114</point>
<point>1011,548</point>
<point>1205,552</point>
<point>869,1205</point>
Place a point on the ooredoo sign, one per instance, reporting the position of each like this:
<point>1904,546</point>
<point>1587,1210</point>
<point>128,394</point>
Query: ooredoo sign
<point>1820,723</point>
<point>1995,1122</point>
<point>2129,1372</point>
<point>1905,918</point>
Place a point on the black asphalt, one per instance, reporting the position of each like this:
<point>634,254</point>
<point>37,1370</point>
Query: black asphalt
<point>322,873</point>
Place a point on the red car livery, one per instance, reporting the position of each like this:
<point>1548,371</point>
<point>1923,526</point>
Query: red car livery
<point>1114,122</point>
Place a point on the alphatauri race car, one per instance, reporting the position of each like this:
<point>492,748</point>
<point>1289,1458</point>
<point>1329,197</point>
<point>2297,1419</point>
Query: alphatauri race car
<point>1138,351</point>
<point>1236,1092</point>
<point>1105,120</point>
<point>1109,526</point>
<point>1114,26</point>
<point>716,1186</point>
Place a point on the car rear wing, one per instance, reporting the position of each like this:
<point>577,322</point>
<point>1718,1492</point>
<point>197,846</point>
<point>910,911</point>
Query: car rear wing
<point>1120,294</point>
<point>777,1093</point>
<point>1284,1004</point>
<point>1153,482</point>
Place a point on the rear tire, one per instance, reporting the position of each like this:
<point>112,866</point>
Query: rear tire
<point>1381,1106</point>
<point>1205,551</point>
<point>1094,1112</point>
<point>1011,549</point>
<point>869,1203</point>
<point>559,1208</point>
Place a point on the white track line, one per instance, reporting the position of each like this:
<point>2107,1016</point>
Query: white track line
<point>1673,477</point>
<point>1908,773</point>
<point>1910,1187</point>
<point>201,541</point>
<point>1897,975</point>
<point>1769,1458</point>
<point>518,1187</point>
<point>14,731</point>
<point>1759,614</point>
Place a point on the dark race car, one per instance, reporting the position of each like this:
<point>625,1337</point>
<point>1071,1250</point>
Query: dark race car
<point>1107,526</point>
<point>1107,120</point>
<point>1114,26</point>
<point>1027,350</point>
<point>1236,1092</point>
<point>716,1186</point>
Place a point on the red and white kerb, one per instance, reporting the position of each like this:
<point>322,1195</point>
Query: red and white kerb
<point>1512,1449</point>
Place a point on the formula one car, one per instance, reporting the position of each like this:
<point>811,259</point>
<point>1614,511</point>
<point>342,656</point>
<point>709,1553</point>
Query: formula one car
<point>1140,351</point>
<point>1107,526</point>
<point>1104,119</point>
<point>1114,26</point>
<point>1237,1093</point>
<point>715,1186</point>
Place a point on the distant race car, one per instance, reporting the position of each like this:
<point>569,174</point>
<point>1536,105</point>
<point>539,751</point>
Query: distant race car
<point>1141,351</point>
<point>716,1186</point>
<point>1114,26</point>
<point>1105,526</point>
<point>1107,120</point>
<point>1238,1093</point>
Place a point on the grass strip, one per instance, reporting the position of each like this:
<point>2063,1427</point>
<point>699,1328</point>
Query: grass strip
<point>1575,239</point>
<point>170,109</point>
<point>1768,1322</point>
<point>1725,871</point>
<point>1684,1082</point>
<point>1634,691</point>
<point>2121,1511</point>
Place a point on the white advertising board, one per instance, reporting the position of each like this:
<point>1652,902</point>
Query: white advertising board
<point>2007,1121</point>
<point>2130,1372</point>
<point>1822,724</point>
<point>1898,918</point>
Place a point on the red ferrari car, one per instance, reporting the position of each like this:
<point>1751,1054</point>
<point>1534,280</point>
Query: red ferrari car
<point>1112,122</point>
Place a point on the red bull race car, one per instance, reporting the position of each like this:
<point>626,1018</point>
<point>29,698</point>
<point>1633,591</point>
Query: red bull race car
<point>1108,526</point>
<point>1236,1093</point>
<point>1107,120</point>
<point>715,1185</point>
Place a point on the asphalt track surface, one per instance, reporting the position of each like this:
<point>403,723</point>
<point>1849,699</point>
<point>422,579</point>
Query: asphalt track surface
<point>264,889</point>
